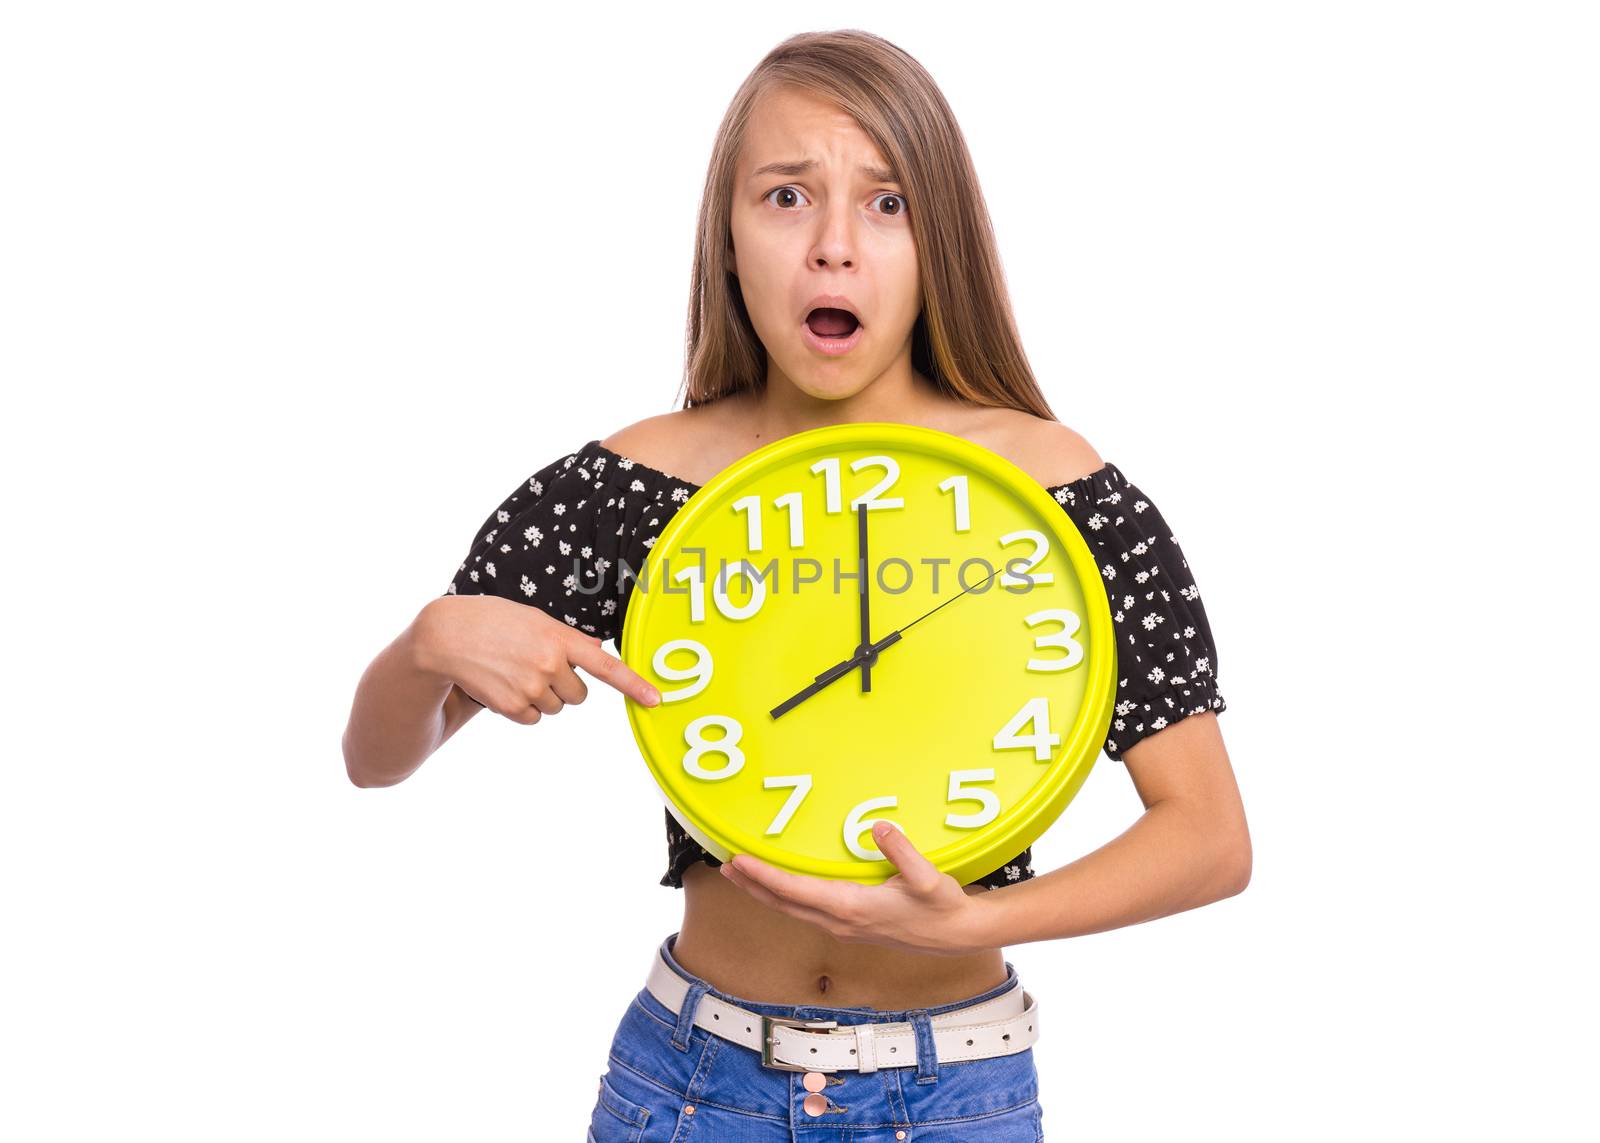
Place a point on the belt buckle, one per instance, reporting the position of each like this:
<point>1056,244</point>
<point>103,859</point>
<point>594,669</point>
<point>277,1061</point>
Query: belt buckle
<point>769,1022</point>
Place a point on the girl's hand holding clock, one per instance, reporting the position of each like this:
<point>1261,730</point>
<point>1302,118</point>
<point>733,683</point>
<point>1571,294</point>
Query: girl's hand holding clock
<point>919,908</point>
<point>516,660</point>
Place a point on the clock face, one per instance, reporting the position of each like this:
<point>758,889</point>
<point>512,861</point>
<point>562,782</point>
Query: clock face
<point>968,715</point>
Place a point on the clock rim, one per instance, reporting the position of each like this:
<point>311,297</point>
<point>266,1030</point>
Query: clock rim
<point>965,858</point>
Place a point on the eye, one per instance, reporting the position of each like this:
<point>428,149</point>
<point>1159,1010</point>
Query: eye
<point>900,200</point>
<point>792,191</point>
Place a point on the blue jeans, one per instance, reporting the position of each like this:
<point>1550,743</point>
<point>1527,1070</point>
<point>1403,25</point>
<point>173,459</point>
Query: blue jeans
<point>662,1065</point>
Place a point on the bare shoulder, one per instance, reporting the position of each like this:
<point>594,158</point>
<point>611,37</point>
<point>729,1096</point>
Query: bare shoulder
<point>648,441</point>
<point>697,443</point>
<point>686,443</point>
<point>1049,451</point>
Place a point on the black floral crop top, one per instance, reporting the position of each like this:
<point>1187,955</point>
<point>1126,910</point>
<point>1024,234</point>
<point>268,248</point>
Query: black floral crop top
<point>604,507</point>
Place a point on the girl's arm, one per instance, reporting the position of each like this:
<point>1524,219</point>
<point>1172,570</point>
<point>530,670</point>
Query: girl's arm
<point>419,689</point>
<point>404,709</point>
<point>1190,847</point>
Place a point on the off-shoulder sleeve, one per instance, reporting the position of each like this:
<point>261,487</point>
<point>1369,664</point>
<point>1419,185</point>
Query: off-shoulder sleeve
<point>1166,655</point>
<point>555,542</point>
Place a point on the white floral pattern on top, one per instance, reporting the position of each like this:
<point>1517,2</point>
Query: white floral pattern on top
<point>610,508</point>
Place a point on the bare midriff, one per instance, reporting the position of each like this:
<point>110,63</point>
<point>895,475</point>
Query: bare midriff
<point>745,949</point>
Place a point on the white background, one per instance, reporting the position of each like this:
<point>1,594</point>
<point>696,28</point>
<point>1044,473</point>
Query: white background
<point>294,294</point>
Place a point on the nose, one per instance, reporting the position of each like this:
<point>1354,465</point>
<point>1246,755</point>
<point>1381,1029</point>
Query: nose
<point>835,243</point>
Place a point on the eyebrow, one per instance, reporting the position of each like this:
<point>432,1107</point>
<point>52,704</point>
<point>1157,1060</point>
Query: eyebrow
<point>791,167</point>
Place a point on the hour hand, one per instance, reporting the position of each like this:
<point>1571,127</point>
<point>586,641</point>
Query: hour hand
<point>864,654</point>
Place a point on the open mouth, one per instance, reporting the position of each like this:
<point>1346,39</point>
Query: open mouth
<point>827,322</point>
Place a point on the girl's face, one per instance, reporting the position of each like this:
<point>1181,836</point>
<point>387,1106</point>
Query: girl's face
<point>816,213</point>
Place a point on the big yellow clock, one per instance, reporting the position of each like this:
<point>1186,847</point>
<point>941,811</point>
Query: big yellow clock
<point>869,621</point>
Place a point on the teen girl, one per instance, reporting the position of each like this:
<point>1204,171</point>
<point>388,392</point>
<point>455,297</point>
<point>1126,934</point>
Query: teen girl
<point>845,271</point>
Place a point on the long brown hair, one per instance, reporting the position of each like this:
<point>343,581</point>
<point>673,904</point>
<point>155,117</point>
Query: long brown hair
<point>965,338</point>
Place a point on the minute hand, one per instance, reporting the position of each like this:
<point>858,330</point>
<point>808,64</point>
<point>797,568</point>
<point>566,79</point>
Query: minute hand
<point>866,622</point>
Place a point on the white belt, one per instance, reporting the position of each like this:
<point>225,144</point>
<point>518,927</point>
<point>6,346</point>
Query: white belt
<point>1006,1024</point>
